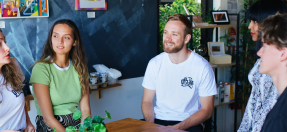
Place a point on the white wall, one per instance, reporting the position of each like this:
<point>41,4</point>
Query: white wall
<point>225,116</point>
<point>122,102</point>
<point>225,119</point>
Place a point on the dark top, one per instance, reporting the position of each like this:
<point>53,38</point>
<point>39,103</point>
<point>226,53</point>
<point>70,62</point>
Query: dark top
<point>276,120</point>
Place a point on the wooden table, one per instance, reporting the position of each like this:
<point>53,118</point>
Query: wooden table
<point>133,125</point>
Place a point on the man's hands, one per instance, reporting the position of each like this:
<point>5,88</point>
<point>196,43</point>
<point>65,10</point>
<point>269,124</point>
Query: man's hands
<point>198,117</point>
<point>174,126</point>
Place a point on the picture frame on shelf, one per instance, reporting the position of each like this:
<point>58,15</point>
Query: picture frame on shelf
<point>217,54</point>
<point>24,9</point>
<point>216,48</point>
<point>91,4</point>
<point>220,17</point>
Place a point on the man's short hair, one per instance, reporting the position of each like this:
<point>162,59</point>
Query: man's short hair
<point>184,20</point>
<point>274,30</point>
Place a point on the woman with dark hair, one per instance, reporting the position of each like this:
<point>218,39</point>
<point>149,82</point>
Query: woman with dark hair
<point>60,79</point>
<point>13,116</point>
<point>258,12</point>
<point>263,94</point>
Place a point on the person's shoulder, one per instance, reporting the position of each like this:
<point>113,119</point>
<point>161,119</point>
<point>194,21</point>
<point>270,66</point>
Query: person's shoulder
<point>158,58</point>
<point>44,62</point>
<point>275,122</point>
<point>199,60</point>
<point>284,97</point>
<point>41,65</point>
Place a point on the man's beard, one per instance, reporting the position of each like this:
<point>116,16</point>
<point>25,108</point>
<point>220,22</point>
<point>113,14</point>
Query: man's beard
<point>174,49</point>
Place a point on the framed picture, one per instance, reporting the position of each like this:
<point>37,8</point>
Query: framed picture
<point>24,9</point>
<point>220,17</point>
<point>216,48</point>
<point>91,4</point>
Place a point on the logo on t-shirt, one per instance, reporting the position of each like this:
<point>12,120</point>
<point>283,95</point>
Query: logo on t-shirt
<point>187,82</point>
<point>17,93</point>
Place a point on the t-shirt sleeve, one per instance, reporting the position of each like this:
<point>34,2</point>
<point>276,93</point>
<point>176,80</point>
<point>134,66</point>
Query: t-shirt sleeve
<point>207,86</point>
<point>40,74</point>
<point>149,77</point>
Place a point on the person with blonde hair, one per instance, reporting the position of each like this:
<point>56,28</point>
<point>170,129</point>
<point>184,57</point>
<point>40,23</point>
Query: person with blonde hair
<point>182,80</point>
<point>13,116</point>
<point>60,79</point>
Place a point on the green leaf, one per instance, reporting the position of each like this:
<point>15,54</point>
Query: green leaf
<point>100,128</point>
<point>93,125</point>
<point>81,128</point>
<point>87,130</point>
<point>77,115</point>
<point>70,129</point>
<point>97,119</point>
<point>108,114</point>
<point>87,122</point>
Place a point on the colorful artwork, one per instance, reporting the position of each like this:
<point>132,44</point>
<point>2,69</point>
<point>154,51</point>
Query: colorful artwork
<point>9,8</point>
<point>91,4</point>
<point>24,8</point>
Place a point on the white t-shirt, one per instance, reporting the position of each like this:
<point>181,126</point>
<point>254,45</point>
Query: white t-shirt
<point>178,86</point>
<point>12,108</point>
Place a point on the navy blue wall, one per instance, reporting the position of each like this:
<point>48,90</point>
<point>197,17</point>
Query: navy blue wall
<point>123,37</point>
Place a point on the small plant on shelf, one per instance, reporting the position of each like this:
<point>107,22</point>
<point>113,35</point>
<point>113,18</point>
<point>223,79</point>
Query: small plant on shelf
<point>227,37</point>
<point>89,125</point>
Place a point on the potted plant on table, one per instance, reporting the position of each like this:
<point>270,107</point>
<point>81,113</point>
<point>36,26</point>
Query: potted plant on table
<point>89,125</point>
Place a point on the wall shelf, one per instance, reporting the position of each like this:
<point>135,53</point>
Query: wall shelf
<point>224,104</point>
<point>214,26</point>
<point>222,65</point>
<point>27,99</point>
<point>99,89</point>
<point>30,97</point>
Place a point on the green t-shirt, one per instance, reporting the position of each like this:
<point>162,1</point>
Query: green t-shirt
<point>64,86</point>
